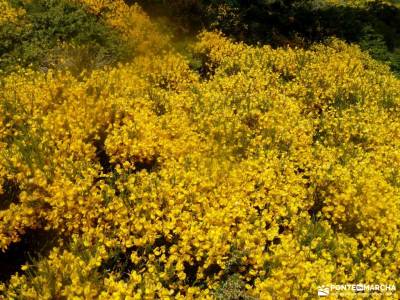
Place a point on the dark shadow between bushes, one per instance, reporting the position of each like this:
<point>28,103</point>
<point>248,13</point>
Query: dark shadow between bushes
<point>35,243</point>
<point>10,194</point>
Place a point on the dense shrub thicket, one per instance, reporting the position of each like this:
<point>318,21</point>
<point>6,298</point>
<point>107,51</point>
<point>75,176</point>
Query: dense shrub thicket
<point>238,172</point>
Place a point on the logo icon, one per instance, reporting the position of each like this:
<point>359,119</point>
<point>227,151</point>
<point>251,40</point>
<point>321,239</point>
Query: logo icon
<point>323,291</point>
<point>360,288</point>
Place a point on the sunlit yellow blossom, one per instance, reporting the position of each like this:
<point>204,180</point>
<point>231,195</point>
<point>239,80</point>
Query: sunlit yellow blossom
<point>266,174</point>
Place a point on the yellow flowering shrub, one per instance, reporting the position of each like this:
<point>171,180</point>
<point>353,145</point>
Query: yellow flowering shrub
<point>9,14</point>
<point>266,174</point>
<point>131,21</point>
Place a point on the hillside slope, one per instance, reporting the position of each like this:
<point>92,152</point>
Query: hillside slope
<point>234,171</point>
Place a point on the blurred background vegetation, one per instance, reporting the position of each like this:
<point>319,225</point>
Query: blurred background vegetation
<point>374,25</point>
<point>53,31</point>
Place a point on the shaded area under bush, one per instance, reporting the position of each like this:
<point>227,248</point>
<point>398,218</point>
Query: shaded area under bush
<point>10,194</point>
<point>34,244</point>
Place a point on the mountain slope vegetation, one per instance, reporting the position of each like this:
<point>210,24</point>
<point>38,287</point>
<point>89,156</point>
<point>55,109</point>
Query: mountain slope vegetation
<point>135,164</point>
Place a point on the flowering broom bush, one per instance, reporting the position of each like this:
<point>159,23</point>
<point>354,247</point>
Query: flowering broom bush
<point>272,172</point>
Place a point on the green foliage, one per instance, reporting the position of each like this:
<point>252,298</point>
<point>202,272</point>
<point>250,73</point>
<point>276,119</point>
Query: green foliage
<point>232,289</point>
<point>375,44</point>
<point>395,61</point>
<point>377,47</point>
<point>54,29</point>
